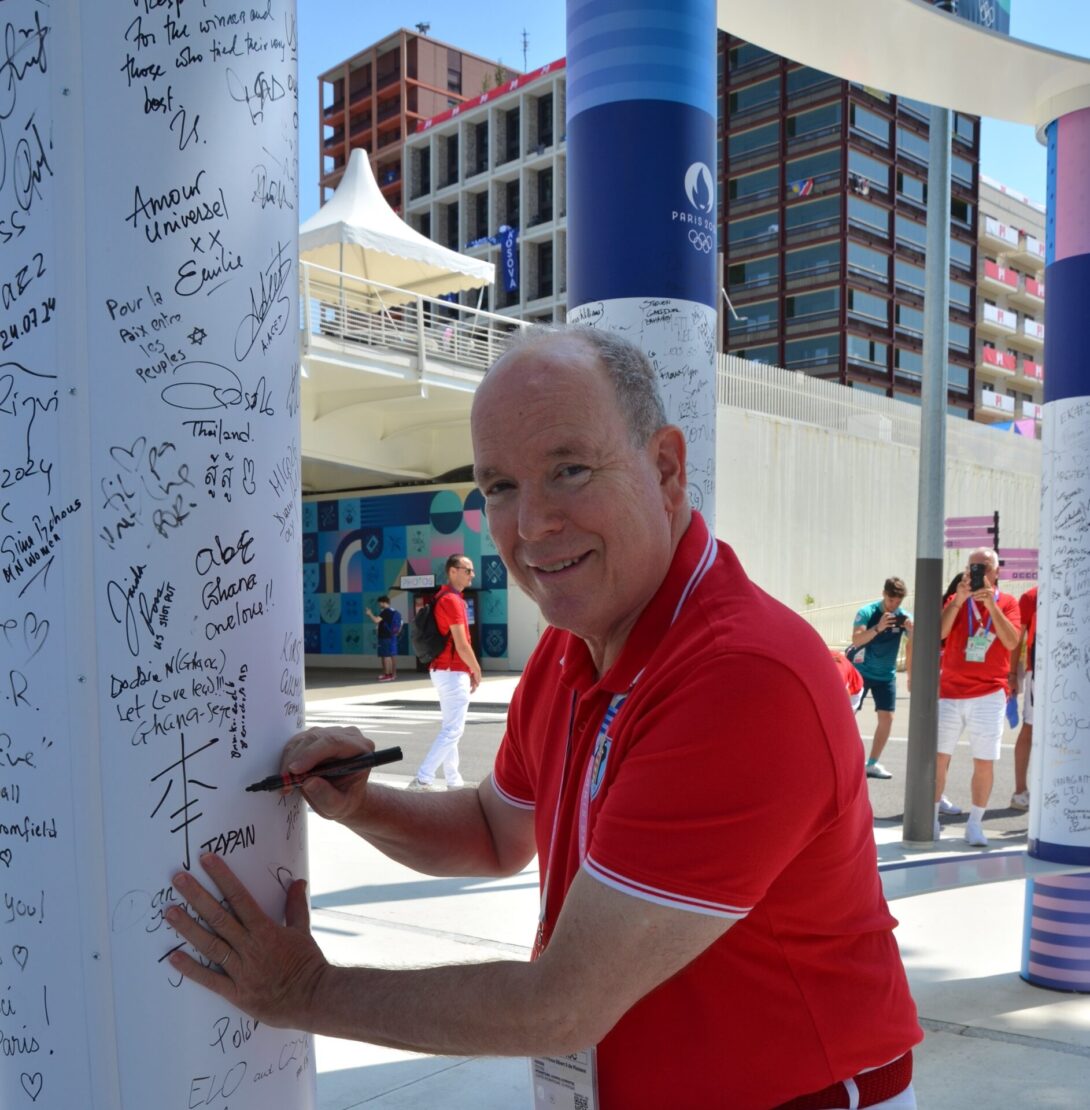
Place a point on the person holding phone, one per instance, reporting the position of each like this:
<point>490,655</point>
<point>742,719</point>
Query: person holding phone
<point>876,642</point>
<point>980,627</point>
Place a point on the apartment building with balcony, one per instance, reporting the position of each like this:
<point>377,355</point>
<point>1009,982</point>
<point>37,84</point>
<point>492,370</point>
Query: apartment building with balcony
<point>823,193</point>
<point>499,160</point>
<point>375,98</point>
<point>1010,306</point>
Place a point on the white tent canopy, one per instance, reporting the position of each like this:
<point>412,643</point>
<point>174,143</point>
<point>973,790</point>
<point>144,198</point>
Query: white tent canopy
<point>359,234</point>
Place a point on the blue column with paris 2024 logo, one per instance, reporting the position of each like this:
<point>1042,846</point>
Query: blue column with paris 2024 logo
<point>642,197</point>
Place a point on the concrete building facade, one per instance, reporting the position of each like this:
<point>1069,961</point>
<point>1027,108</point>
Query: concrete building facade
<point>498,160</point>
<point>375,98</point>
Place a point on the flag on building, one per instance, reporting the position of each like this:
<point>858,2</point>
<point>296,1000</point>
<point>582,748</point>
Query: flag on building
<point>801,188</point>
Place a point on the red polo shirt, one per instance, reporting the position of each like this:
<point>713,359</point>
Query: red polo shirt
<point>733,786</point>
<point>958,677</point>
<point>450,609</point>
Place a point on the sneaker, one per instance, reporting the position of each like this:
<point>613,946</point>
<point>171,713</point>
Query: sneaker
<point>419,784</point>
<point>386,677</point>
<point>877,771</point>
<point>1020,800</point>
<point>457,784</point>
<point>974,834</point>
<point>946,806</point>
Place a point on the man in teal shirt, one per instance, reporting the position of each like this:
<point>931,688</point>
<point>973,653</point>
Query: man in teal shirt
<point>876,641</point>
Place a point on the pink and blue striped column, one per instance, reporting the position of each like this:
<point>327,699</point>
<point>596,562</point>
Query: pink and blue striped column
<point>641,118</point>
<point>1056,939</point>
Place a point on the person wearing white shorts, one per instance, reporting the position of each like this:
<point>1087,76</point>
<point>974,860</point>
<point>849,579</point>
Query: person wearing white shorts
<point>981,627</point>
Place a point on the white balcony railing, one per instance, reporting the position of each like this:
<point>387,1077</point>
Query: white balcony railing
<point>996,402</point>
<point>362,313</point>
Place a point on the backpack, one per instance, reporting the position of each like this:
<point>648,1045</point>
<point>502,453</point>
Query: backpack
<point>424,635</point>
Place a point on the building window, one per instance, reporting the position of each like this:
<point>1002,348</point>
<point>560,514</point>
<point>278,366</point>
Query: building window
<point>909,320</point>
<point>752,228</point>
<point>545,269</point>
<point>480,215</point>
<point>753,186</point>
<point>868,307</point>
<point>804,173</point>
<point>908,365</point>
<point>908,276</point>
<point>961,212</point>
<point>961,254</point>
<point>866,260</point>
<point>451,174</point>
<point>812,261</point>
<point>869,170</point>
<point>799,80</point>
<point>814,350</point>
<point>959,337</point>
<point>912,188</point>
<point>861,349</point>
<point>814,123</point>
<point>452,225</point>
<point>870,124</point>
<point>746,54</point>
<point>511,190</point>
<point>868,216</point>
<point>915,108</point>
<point>755,96</point>
<point>810,213</point>
<point>480,138</point>
<point>454,72</point>
<point>545,120</point>
<point>915,146</point>
<point>961,170</point>
<point>754,141</point>
<point>960,295</point>
<point>754,273</point>
<point>807,306</point>
<point>767,355</point>
<point>965,128</point>
<point>957,377</point>
<point>911,233</point>
<point>511,145</point>
<point>755,317</point>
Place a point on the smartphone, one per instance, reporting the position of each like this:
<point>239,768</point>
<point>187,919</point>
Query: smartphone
<point>976,576</point>
<point>899,620</point>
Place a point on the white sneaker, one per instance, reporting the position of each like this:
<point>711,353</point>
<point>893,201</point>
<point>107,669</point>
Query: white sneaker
<point>458,784</point>
<point>1020,800</point>
<point>419,784</point>
<point>974,834</point>
<point>946,806</point>
<point>877,771</point>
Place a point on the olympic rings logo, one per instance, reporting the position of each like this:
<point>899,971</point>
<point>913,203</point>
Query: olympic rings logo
<point>700,241</point>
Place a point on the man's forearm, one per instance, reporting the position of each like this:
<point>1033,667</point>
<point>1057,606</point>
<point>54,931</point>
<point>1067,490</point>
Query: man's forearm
<point>949,615</point>
<point>490,1009</point>
<point>435,834</point>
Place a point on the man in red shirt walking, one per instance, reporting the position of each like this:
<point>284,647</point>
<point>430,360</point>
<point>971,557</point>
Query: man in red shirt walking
<point>980,628</point>
<point>455,673</point>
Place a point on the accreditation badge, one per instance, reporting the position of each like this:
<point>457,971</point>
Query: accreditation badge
<point>976,647</point>
<point>565,1082</point>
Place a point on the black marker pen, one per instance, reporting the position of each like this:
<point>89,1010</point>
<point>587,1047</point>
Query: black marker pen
<point>334,769</point>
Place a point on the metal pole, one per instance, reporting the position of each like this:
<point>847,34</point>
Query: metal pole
<point>924,709</point>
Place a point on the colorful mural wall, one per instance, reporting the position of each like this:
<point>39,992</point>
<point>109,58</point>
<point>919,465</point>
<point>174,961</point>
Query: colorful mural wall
<point>356,548</point>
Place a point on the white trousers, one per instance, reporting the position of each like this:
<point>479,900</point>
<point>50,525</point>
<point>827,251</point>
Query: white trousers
<point>453,690</point>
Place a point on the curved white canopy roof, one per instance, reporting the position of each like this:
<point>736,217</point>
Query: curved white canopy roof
<point>358,233</point>
<point>909,48</point>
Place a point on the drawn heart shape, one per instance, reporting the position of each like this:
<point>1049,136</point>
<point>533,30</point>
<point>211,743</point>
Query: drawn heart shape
<point>34,633</point>
<point>5,857</point>
<point>129,459</point>
<point>21,954</point>
<point>32,1084</point>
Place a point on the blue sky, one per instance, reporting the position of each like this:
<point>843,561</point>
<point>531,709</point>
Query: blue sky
<point>331,30</point>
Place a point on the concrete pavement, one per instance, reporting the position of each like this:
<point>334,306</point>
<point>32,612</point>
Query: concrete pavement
<point>992,1040</point>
